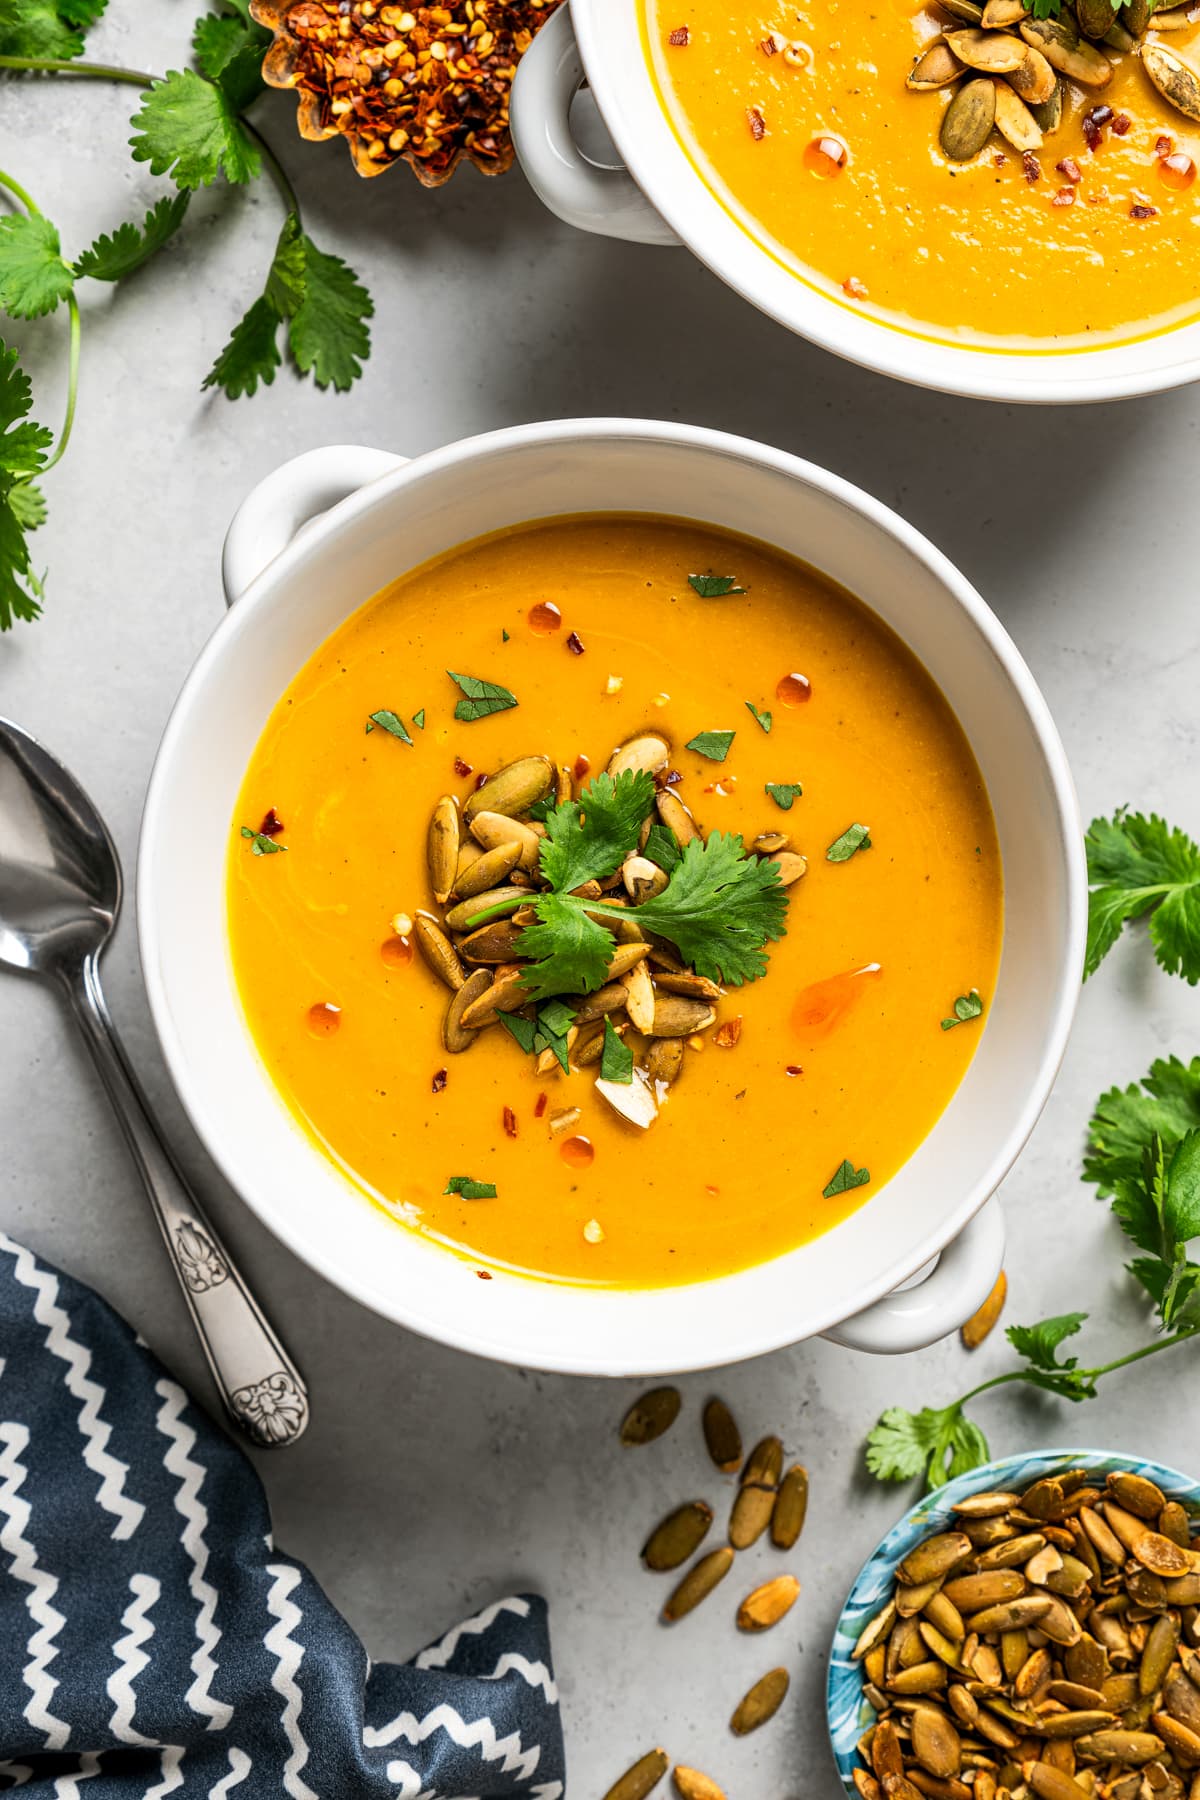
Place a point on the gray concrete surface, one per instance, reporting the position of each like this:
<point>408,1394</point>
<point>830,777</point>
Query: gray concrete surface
<point>430,1482</point>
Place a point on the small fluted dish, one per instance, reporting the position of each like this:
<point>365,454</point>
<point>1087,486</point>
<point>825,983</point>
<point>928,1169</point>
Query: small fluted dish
<point>850,1712</point>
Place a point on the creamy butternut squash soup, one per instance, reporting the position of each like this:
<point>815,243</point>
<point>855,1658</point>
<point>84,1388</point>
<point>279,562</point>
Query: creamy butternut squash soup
<point>965,170</point>
<point>649,942</point>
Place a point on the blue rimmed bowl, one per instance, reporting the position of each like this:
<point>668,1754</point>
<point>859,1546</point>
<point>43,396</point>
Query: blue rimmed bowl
<point>850,1712</point>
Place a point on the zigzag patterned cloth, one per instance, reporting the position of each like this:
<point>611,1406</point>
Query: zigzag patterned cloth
<point>152,1639</point>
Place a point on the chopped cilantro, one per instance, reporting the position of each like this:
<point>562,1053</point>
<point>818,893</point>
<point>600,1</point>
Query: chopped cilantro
<point>712,744</point>
<point>541,809</point>
<point>845,1177</point>
<point>391,721</point>
<point>481,697</point>
<point>967,1006</point>
<point>714,587</point>
<point>784,793</point>
<point>419,719</point>
<point>616,1059</point>
<point>855,837</point>
<point>662,847</point>
<point>522,1029</point>
<point>261,844</point>
<point>470,1189</point>
<point>762,718</point>
<point>503,635</point>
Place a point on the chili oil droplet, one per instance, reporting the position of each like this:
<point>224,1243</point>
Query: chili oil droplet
<point>793,689</point>
<point>324,1019</point>
<point>544,619</point>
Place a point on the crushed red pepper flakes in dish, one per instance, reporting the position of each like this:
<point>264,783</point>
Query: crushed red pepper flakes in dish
<point>272,824</point>
<point>1031,167</point>
<point>756,122</point>
<point>439,1080</point>
<point>425,85</point>
<point>539,1109</point>
<point>1139,210</point>
<point>680,38</point>
<point>575,644</point>
<point>462,768</point>
<point>1070,170</point>
<point>1064,197</point>
<point>510,1121</point>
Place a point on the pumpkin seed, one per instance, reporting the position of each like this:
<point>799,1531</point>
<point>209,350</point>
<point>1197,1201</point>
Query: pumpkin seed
<point>698,1583</point>
<point>1178,18</point>
<point>922,1678</point>
<point>1035,79</point>
<point>985,1506</point>
<point>437,952</point>
<point>677,1016</point>
<point>1011,1552</point>
<point>998,14</point>
<point>623,959</point>
<point>1182,1700</point>
<point>936,67</point>
<point>696,987</point>
<point>1183,1743</point>
<point>463,916</point>
<point>968,120</point>
<point>1016,123</point>
<point>944,1648</point>
<point>650,1416</point>
<point>1173,1523</point>
<point>1175,80</point>
<point>647,752</point>
<point>1009,1615</point>
<point>642,1779</point>
<point>982,1322</point>
<point>643,879</point>
<point>792,867</point>
<point>791,1507</point>
<point>967,10</point>
<point>506,994</point>
<point>991,52</point>
<point>691,1784</point>
<point>678,1536</point>
<point>441,848</point>
<point>564,786</point>
<point>607,999</point>
<point>972,1593</point>
<point>676,817</point>
<point>1095,17</point>
<point>498,942</point>
<point>768,1603</point>
<point>1136,1747</point>
<point>1137,1494</point>
<point>1159,1654</point>
<point>874,1632</point>
<point>455,1036</point>
<point>721,1435</point>
<point>935,1743</point>
<point>664,1060</point>
<point>492,829</point>
<point>1060,43</point>
<point>639,997</point>
<point>513,789</point>
<point>912,1600</point>
<point>751,1514</point>
<point>761,1703</point>
<point>1048,113</point>
<point>1118,38</point>
<point>1135,16</point>
<point>934,1558</point>
<point>1049,1783</point>
<point>1074,1724</point>
<point>488,871</point>
<point>1161,1555</point>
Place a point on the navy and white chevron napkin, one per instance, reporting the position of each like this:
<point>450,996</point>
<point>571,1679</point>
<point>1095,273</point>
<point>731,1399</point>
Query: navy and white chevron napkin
<point>154,1642</point>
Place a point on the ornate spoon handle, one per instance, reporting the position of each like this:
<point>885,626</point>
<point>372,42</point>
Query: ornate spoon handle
<point>260,1386</point>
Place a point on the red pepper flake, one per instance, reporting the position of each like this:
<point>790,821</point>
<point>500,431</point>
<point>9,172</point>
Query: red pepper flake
<point>272,824</point>
<point>582,765</point>
<point>1139,210</point>
<point>768,46</point>
<point>481,780</point>
<point>1165,146</point>
<point>1000,159</point>
<point>856,289</point>
<point>680,38</point>
<point>756,122</point>
<point>1071,169</point>
<point>575,644</point>
<point>727,1035</point>
<point>1094,123</point>
<point>483,1275</point>
<point>463,768</point>
<point>1064,197</point>
<point>540,1108</point>
<point>672,778</point>
<point>793,1069</point>
<point>510,1121</point>
<point>1122,124</point>
<point>440,1080</point>
<point>1032,167</point>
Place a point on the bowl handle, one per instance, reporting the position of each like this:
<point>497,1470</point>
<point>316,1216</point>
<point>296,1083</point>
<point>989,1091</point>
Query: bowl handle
<point>963,1277</point>
<point>288,500</point>
<point>607,201</point>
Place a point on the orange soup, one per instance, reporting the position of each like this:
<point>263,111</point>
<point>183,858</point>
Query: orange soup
<point>1075,219</point>
<point>793,739</point>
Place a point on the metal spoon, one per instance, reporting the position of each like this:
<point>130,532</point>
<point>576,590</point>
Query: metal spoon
<point>60,892</point>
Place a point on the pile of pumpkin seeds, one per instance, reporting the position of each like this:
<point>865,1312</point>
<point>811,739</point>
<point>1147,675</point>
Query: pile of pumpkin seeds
<point>767,1500</point>
<point>1047,1646</point>
<point>1011,70</point>
<point>483,858</point>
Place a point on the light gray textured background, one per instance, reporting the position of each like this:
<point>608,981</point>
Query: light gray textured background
<point>429,1482</point>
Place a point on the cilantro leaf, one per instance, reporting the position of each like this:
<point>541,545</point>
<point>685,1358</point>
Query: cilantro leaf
<point>1164,1104</point>
<point>285,277</point>
<point>187,128</point>
<point>229,48</point>
<point>714,587</point>
<point>712,744</point>
<point>937,1442</point>
<point>470,1189</point>
<point>113,257</point>
<point>784,793</point>
<point>761,718</point>
<point>553,1023</point>
<point>419,719</point>
<point>392,723</point>
<point>327,332</point>
<point>482,697</point>
<point>589,838</point>
<point>261,844</point>
<point>46,28</point>
<point>616,1058</point>
<point>1039,1344</point>
<point>967,1006</point>
<point>34,277</point>
<point>522,1029</point>
<point>1181,1209</point>
<point>23,448</point>
<point>662,847</point>
<point>845,1178</point>
<point>719,908</point>
<point>855,837</point>
<point>251,355</point>
<point>568,952</point>
<point>1139,865</point>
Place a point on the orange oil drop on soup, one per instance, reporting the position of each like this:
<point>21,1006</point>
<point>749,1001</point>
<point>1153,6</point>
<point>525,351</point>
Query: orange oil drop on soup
<point>876,740</point>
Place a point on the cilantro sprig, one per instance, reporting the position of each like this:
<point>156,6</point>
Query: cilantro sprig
<point>719,908</point>
<point>1141,867</point>
<point>1144,1155</point>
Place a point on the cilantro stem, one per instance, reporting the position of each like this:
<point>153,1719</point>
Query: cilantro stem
<point>275,168</point>
<point>26,199</point>
<point>75,331</point>
<point>1121,1362</point>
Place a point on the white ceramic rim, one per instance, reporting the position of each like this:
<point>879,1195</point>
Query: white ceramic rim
<point>755,1338</point>
<point>626,97</point>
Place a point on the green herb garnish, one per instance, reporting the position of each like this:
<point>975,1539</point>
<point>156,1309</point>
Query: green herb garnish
<point>261,844</point>
<point>967,1006</point>
<point>845,1177</point>
<point>553,1024</point>
<point>24,447</point>
<point>541,809</point>
<point>763,718</point>
<point>662,847</point>
<point>469,1189</point>
<point>712,744</point>
<point>784,793</point>
<point>419,719</point>
<point>392,723</point>
<point>1139,866</point>
<point>714,587</point>
<point>855,837</point>
<point>481,697</point>
<point>503,635</point>
<point>616,1058</point>
<point>522,1029</point>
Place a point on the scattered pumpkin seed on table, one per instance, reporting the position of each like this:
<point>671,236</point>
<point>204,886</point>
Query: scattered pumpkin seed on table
<point>650,1416</point>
